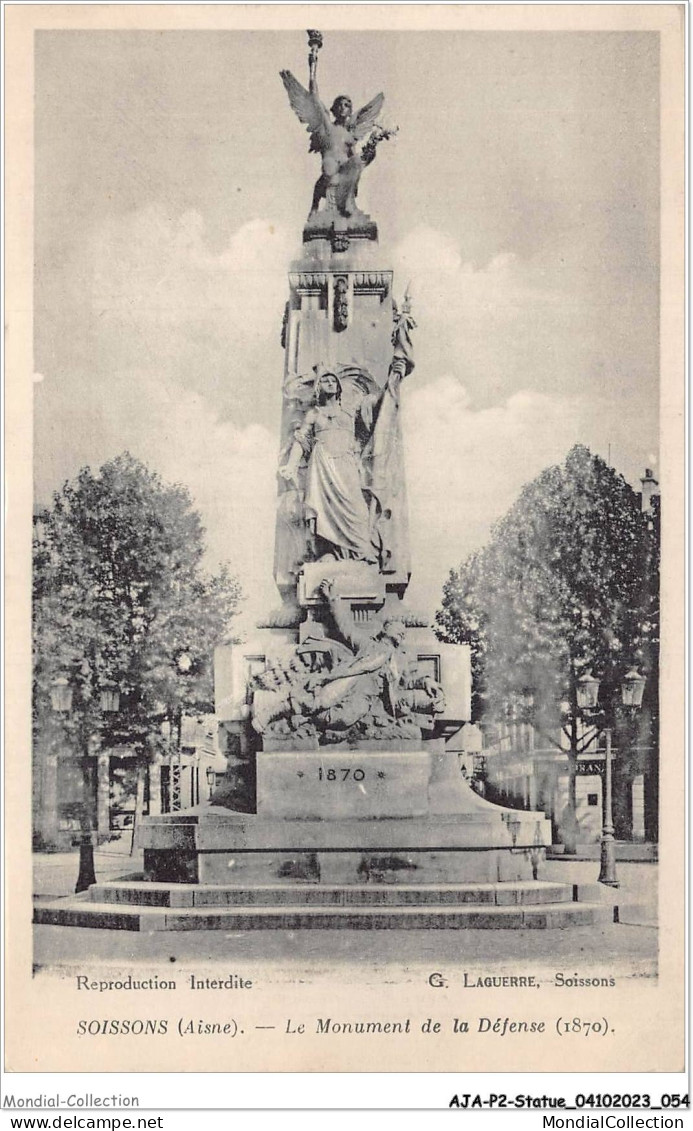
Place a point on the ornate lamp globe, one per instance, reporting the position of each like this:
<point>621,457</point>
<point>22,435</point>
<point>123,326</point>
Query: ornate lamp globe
<point>587,692</point>
<point>632,688</point>
<point>61,694</point>
<point>109,698</point>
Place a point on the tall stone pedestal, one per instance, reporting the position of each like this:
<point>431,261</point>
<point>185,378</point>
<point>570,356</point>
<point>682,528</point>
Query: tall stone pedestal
<point>339,314</point>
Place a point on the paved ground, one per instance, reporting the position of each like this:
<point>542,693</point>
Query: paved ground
<point>628,948</point>
<point>55,873</point>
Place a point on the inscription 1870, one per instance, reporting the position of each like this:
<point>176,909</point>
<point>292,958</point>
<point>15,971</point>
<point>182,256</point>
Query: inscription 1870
<point>342,774</point>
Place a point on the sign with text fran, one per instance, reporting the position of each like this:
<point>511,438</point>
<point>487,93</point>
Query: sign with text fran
<point>591,766</point>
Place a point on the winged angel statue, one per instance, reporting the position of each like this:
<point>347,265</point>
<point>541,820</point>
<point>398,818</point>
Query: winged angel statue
<point>338,139</point>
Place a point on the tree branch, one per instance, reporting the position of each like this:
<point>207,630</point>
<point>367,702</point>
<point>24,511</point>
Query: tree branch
<point>549,737</point>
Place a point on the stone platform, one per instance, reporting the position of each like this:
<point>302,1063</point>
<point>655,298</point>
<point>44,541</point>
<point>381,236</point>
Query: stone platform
<point>348,816</point>
<point>136,905</point>
<point>218,847</point>
<point>343,838</point>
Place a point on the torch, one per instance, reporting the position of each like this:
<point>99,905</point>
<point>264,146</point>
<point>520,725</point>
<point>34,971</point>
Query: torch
<point>315,43</point>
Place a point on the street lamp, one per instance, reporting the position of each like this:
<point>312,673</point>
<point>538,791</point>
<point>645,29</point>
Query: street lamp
<point>185,666</point>
<point>587,692</point>
<point>61,695</point>
<point>110,698</point>
<point>632,687</point>
<point>61,703</point>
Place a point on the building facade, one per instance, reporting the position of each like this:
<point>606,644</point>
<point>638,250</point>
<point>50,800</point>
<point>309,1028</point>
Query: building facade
<point>523,772</point>
<point>126,788</point>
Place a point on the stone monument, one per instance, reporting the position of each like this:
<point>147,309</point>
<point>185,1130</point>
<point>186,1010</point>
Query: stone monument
<point>335,713</point>
<point>343,804</point>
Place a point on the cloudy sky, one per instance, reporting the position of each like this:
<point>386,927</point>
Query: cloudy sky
<point>520,198</point>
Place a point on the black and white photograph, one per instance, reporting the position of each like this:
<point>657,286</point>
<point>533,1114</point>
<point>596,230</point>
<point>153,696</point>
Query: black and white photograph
<point>349,415</point>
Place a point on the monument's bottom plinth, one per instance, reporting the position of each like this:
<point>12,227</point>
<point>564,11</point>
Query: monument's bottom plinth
<point>350,817</point>
<point>458,863</point>
<point>385,864</point>
<point>220,847</point>
<point>343,839</point>
<point>132,904</point>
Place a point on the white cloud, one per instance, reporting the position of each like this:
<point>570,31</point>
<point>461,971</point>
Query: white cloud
<point>145,291</point>
<point>471,441</point>
<point>170,364</point>
<point>229,470</point>
<point>179,362</point>
<point>466,467</point>
<point>509,376</point>
<point>505,325</point>
<point>443,283</point>
<point>146,264</point>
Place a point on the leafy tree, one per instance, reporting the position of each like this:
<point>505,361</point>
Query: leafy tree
<point>567,584</point>
<point>121,601</point>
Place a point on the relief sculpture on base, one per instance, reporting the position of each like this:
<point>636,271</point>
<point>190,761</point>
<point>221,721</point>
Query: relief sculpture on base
<point>355,685</point>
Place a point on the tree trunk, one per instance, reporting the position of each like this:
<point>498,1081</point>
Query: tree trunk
<point>652,805</point>
<point>139,803</point>
<point>87,873</point>
<point>569,823</point>
<point>623,800</point>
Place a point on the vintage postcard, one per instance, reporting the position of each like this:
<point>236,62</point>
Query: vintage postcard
<point>345,408</point>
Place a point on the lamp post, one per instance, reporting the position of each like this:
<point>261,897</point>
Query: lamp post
<point>607,868</point>
<point>185,666</point>
<point>632,687</point>
<point>62,696</point>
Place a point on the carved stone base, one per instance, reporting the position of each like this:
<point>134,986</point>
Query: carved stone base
<point>451,836</point>
<point>352,580</point>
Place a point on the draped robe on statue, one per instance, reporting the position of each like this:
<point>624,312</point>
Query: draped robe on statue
<point>334,495</point>
<point>354,499</point>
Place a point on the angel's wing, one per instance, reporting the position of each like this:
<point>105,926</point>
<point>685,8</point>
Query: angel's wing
<point>364,121</point>
<point>356,383</point>
<point>356,380</point>
<point>300,388</point>
<point>308,109</point>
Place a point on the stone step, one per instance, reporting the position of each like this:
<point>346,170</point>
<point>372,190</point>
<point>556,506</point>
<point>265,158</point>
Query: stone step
<point>143,894</point>
<point>79,912</point>
<point>625,850</point>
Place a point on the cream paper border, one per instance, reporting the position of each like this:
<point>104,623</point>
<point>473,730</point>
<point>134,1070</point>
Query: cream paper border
<point>649,1018</point>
